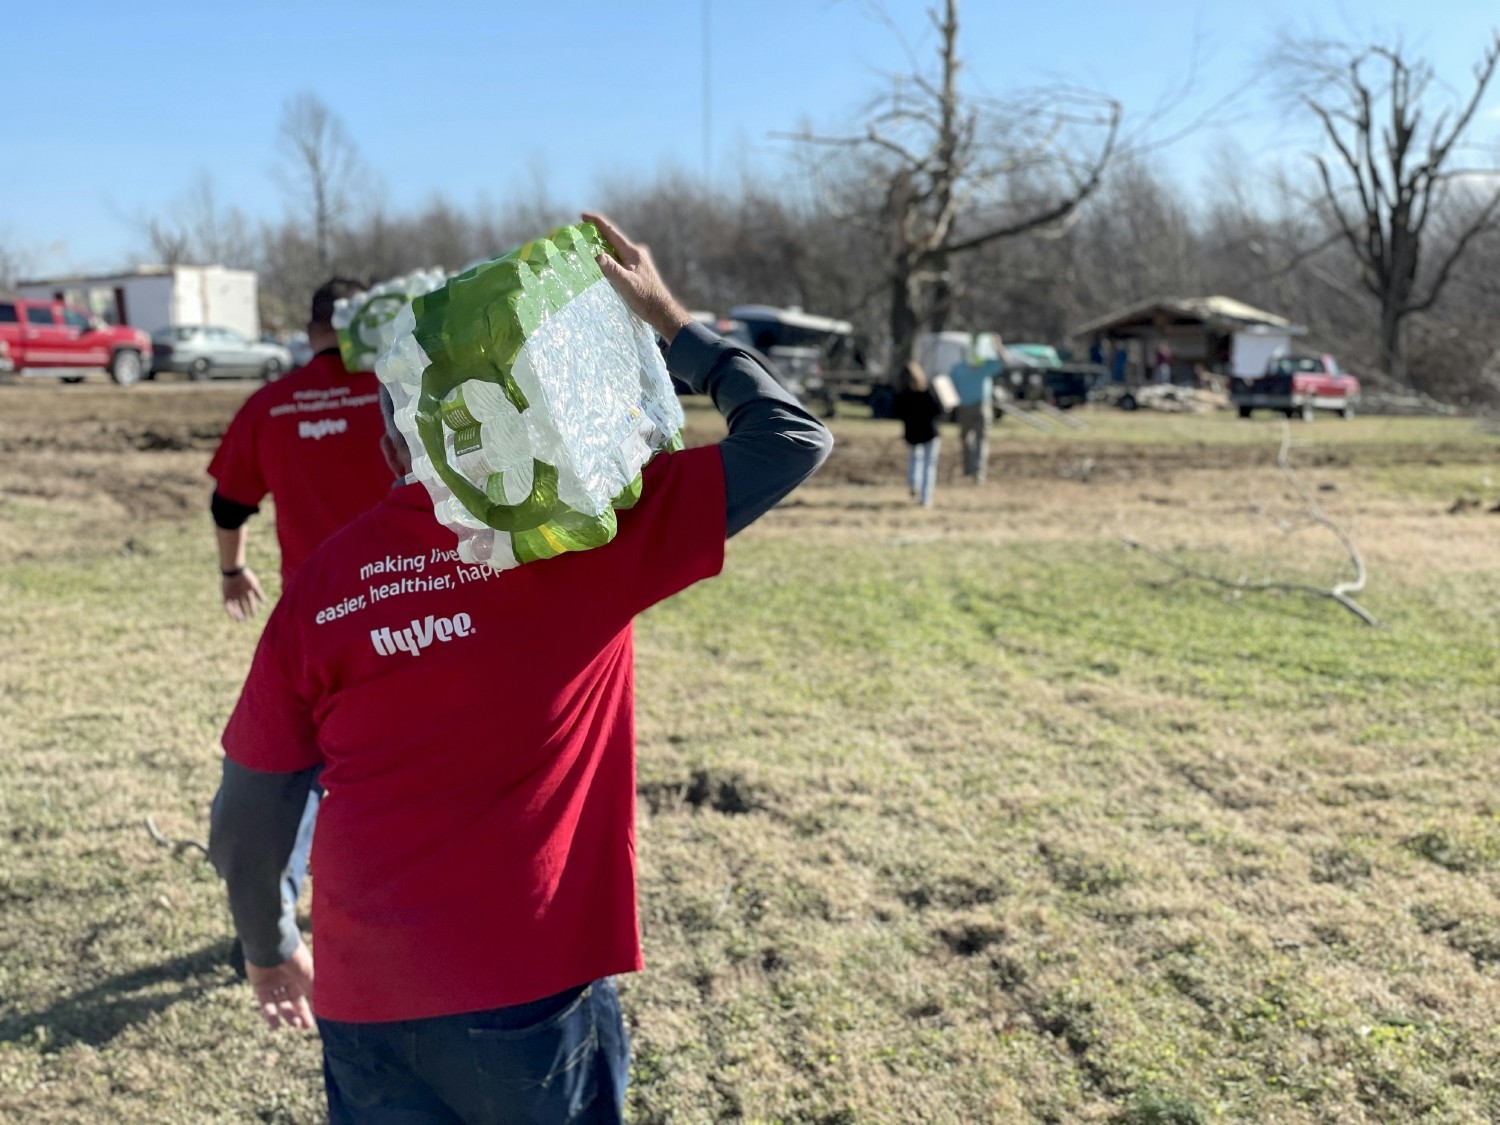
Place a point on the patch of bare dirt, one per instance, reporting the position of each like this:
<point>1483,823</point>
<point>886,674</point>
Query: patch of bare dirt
<point>120,456</point>
<point>173,417</point>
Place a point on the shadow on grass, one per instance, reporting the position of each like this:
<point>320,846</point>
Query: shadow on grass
<point>98,1014</point>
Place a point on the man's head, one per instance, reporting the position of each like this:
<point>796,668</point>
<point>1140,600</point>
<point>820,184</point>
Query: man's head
<point>320,330</point>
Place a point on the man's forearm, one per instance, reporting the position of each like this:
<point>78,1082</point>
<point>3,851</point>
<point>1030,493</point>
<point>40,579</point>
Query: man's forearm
<point>252,831</point>
<point>231,547</point>
<point>773,443</point>
<point>230,517</point>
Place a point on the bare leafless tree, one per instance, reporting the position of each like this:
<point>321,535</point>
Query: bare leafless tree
<point>958,171</point>
<point>221,234</point>
<point>1029,213</point>
<point>166,243</point>
<point>321,170</point>
<point>197,229</point>
<point>1396,161</point>
<point>13,261</point>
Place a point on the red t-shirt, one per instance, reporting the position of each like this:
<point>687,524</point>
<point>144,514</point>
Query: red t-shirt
<point>312,440</point>
<point>476,847</point>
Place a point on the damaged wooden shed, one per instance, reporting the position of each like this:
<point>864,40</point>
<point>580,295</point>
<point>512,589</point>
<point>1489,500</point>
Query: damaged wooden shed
<point>1223,335</point>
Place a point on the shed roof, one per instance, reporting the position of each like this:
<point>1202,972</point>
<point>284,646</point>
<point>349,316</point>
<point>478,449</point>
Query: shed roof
<point>1224,313</point>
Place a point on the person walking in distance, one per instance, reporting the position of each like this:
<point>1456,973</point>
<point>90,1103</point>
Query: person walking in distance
<point>918,409</point>
<point>310,440</point>
<point>476,882</point>
<point>974,380</point>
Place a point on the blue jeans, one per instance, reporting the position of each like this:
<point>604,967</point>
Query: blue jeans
<point>562,1059</point>
<point>921,470</point>
<point>296,867</point>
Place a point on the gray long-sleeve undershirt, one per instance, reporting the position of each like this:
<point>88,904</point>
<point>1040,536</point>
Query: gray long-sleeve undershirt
<point>252,830</point>
<point>773,445</point>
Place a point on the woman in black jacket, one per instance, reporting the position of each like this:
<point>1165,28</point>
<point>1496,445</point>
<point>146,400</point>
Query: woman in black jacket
<point>918,409</point>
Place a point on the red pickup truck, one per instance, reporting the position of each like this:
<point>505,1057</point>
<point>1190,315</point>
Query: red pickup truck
<point>1298,386</point>
<point>51,338</point>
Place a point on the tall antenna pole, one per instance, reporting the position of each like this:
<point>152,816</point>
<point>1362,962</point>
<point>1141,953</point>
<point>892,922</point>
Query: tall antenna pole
<point>708,105</point>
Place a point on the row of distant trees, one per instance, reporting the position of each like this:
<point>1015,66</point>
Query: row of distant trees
<point>945,207</point>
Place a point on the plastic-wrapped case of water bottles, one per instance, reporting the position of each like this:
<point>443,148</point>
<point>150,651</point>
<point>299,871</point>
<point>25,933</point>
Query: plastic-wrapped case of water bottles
<point>366,324</point>
<point>529,395</point>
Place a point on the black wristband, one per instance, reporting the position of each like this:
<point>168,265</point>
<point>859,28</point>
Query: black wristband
<point>235,573</point>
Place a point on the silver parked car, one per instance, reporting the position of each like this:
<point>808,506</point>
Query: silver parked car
<point>203,351</point>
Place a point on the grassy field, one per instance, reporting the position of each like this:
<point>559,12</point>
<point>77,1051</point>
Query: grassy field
<point>956,816</point>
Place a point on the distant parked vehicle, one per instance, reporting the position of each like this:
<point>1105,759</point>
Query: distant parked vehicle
<point>804,347</point>
<point>1064,385</point>
<point>1298,386</point>
<point>52,338</point>
<point>204,351</point>
<point>1038,355</point>
<point>736,333</point>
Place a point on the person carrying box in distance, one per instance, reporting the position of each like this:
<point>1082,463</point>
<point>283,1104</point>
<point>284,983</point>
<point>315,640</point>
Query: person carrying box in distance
<point>974,380</point>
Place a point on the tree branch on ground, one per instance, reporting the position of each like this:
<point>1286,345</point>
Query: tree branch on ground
<point>1340,592</point>
<point>178,845</point>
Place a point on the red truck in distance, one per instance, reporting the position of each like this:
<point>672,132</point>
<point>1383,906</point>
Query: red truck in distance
<point>1297,386</point>
<point>52,338</point>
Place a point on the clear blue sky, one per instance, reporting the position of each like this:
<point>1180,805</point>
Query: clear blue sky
<point>114,109</point>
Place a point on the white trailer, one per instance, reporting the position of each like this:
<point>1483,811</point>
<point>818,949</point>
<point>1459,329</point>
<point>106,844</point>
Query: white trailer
<point>155,297</point>
<point>1255,347</point>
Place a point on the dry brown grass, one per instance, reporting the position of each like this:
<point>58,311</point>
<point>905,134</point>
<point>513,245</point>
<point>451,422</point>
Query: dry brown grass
<point>945,816</point>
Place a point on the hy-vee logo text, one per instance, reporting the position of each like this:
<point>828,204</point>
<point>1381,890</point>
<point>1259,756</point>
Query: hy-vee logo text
<point>422,634</point>
<point>322,428</point>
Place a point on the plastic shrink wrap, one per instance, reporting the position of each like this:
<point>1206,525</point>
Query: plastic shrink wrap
<point>366,324</point>
<point>531,398</point>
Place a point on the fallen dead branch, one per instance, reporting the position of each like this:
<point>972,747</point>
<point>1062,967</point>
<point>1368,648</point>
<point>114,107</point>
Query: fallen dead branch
<point>1341,592</point>
<point>1026,416</point>
<point>1061,416</point>
<point>177,846</point>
